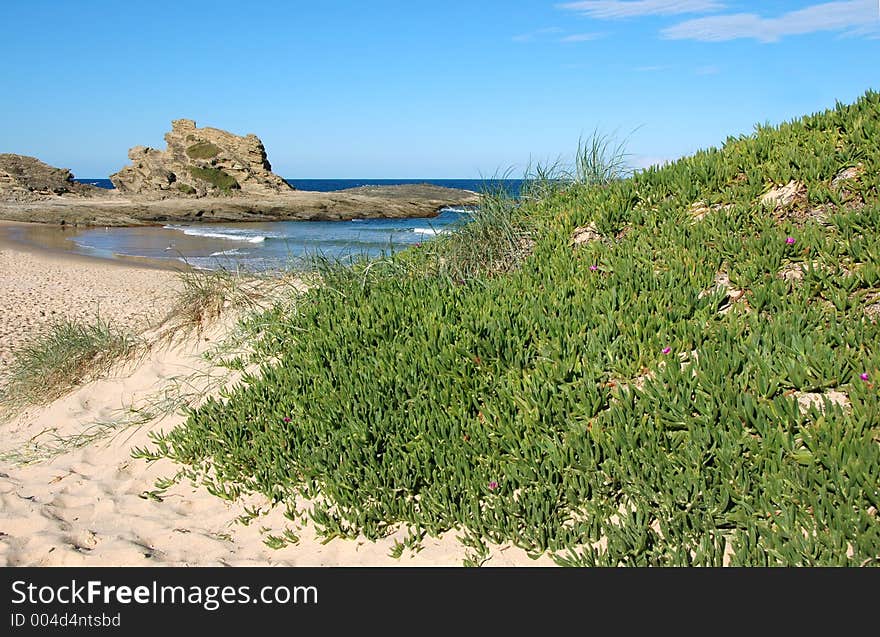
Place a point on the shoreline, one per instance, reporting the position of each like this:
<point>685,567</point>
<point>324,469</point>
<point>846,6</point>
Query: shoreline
<point>40,284</point>
<point>113,208</point>
<point>86,505</point>
<point>48,240</point>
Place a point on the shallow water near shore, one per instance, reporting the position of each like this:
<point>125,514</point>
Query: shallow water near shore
<point>264,245</point>
<point>261,246</point>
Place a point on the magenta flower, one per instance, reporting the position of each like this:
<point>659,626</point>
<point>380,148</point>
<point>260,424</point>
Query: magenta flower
<point>790,240</point>
<point>593,268</point>
<point>666,350</point>
<point>418,245</point>
<point>864,376</point>
<point>287,419</point>
<point>493,485</point>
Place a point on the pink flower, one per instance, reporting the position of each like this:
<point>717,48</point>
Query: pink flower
<point>493,485</point>
<point>790,240</point>
<point>287,419</point>
<point>593,268</point>
<point>666,350</point>
<point>864,376</point>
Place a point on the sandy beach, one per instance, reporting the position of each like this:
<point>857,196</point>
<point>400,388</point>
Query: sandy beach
<point>66,499</point>
<point>37,286</point>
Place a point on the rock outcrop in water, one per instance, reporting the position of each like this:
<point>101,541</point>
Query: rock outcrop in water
<point>27,179</point>
<point>205,174</point>
<point>200,162</point>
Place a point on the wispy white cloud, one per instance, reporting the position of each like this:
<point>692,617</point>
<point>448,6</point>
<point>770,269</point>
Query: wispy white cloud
<point>611,9</point>
<point>539,33</point>
<point>856,16</point>
<point>651,69</point>
<point>582,37</point>
<point>707,70</point>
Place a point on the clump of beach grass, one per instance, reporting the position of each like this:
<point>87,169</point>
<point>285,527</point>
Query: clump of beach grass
<point>205,295</point>
<point>202,298</point>
<point>600,160</point>
<point>492,241</point>
<point>498,235</point>
<point>65,354</point>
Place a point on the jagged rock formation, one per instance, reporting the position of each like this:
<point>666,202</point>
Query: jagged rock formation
<point>205,174</point>
<point>200,162</point>
<point>27,179</point>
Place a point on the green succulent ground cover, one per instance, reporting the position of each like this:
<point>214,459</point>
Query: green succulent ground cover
<point>593,402</point>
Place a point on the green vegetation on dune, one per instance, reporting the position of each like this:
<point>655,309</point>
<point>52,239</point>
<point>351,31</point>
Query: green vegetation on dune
<point>64,354</point>
<point>696,382</point>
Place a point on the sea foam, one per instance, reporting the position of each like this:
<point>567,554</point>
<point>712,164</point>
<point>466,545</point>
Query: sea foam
<point>228,234</point>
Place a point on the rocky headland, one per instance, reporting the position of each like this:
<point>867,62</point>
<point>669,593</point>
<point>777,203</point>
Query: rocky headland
<point>27,179</point>
<point>204,174</point>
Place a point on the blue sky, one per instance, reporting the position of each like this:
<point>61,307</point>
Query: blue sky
<point>421,89</point>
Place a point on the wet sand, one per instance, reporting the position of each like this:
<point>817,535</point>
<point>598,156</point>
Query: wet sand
<point>41,280</point>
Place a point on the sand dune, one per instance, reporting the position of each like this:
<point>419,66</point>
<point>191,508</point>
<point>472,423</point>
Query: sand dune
<point>37,287</point>
<point>78,501</point>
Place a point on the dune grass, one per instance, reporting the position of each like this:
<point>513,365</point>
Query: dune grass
<point>71,352</point>
<point>65,354</point>
<point>204,295</point>
<point>658,395</point>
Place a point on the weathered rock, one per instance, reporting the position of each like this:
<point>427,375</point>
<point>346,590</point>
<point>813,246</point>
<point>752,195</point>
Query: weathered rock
<point>26,179</point>
<point>585,234</point>
<point>806,400</point>
<point>698,210</point>
<point>780,197</point>
<point>119,209</point>
<point>200,162</point>
<point>847,174</point>
<point>846,183</point>
<point>731,295</point>
<point>152,192</point>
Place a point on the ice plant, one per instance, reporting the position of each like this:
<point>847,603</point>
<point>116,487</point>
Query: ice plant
<point>790,240</point>
<point>864,376</point>
<point>375,366</point>
<point>286,419</point>
<point>593,268</point>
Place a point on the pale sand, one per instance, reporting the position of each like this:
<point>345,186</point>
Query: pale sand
<point>85,506</point>
<point>38,286</point>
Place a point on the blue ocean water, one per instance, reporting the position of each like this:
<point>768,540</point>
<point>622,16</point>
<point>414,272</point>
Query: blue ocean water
<point>264,246</point>
<point>278,244</point>
<point>329,185</point>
